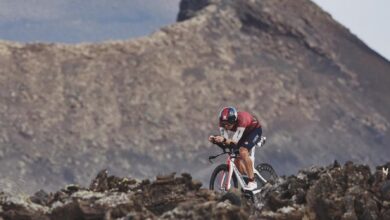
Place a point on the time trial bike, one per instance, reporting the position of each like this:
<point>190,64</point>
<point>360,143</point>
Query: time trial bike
<point>227,175</point>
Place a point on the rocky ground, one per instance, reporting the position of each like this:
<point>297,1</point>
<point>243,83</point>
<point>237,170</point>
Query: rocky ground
<point>347,192</point>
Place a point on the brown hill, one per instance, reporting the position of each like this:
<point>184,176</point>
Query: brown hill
<point>146,106</point>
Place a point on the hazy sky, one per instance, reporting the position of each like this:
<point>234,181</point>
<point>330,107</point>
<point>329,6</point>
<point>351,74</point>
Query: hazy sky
<point>72,21</point>
<point>367,19</point>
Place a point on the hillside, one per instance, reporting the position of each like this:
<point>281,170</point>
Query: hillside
<point>146,106</point>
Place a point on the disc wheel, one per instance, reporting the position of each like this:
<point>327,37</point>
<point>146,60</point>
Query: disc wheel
<point>267,172</point>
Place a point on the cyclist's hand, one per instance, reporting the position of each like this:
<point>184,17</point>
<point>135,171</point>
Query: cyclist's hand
<point>212,139</point>
<point>219,139</point>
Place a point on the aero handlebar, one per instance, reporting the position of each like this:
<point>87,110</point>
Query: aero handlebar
<point>225,149</point>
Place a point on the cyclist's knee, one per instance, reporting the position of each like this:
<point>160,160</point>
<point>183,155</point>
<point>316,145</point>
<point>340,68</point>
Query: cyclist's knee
<point>244,153</point>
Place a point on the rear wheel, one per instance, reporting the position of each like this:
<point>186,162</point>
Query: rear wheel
<point>219,177</point>
<point>267,172</point>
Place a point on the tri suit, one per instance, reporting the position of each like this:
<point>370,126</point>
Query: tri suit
<point>247,130</point>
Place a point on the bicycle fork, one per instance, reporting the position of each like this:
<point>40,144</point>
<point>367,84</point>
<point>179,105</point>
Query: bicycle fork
<point>226,178</point>
<point>224,183</point>
<point>230,173</point>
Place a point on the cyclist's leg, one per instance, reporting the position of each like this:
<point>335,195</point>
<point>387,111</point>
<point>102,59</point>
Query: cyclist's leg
<point>241,166</point>
<point>244,154</point>
<point>246,145</point>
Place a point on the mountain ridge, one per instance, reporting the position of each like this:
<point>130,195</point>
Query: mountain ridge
<point>146,106</point>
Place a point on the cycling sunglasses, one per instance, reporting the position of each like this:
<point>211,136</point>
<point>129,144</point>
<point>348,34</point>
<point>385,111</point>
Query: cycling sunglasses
<point>226,123</point>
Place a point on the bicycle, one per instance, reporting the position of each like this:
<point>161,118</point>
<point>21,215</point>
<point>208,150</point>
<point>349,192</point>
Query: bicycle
<point>229,175</point>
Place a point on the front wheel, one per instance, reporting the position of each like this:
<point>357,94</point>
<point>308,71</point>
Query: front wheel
<point>267,172</point>
<point>218,180</point>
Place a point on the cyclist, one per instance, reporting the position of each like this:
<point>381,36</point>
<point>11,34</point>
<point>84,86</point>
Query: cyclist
<point>247,132</point>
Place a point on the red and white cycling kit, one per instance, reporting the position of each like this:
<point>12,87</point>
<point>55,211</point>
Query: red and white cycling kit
<point>247,130</point>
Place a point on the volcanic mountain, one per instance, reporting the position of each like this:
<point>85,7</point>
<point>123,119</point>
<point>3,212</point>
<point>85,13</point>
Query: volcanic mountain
<point>146,106</point>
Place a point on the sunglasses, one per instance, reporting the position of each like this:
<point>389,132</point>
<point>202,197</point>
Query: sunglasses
<point>225,123</point>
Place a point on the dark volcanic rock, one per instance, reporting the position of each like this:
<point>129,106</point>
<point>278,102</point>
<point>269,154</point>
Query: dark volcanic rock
<point>41,198</point>
<point>168,197</point>
<point>189,8</point>
<point>146,106</point>
<point>334,192</point>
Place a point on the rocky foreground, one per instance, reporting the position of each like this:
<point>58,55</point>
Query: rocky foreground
<point>335,192</point>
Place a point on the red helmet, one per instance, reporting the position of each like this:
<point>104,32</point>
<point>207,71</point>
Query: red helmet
<point>229,115</point>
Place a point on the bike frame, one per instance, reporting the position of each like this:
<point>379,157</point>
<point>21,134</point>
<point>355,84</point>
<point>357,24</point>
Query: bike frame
<point>225,185</point>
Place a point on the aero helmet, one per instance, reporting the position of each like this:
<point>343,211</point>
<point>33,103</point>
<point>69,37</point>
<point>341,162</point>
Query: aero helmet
<point>228,114</point>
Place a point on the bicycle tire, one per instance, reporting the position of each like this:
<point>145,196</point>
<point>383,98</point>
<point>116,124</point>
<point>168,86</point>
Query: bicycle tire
<point>267,172</point>
<point>217,170</point>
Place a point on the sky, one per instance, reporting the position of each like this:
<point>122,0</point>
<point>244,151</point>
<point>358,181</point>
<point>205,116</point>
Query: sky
<point>74,21</point>
<point>369,20</point>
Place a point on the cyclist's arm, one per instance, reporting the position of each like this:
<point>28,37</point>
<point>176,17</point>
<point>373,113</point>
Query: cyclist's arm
<point>223,132</point>
<point>227,141</point>
<point>237,135</point>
